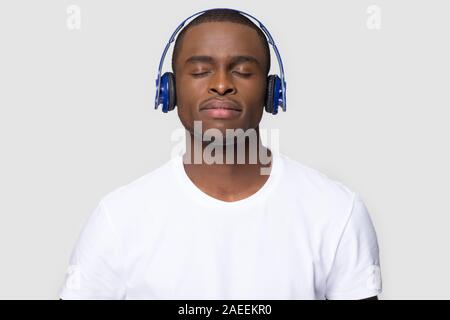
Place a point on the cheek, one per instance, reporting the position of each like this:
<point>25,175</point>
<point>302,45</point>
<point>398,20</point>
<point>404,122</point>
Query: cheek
<point>254,94</point>
<point>188,96</point>
<point>257,101</point>
<point>188,92</point>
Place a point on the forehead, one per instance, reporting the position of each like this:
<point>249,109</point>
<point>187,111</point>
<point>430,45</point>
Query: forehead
<point>221,40</point>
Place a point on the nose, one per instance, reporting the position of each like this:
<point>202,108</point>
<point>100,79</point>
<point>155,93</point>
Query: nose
<point>221,84</point>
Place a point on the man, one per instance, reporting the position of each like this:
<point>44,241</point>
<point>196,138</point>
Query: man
<point>266,229</point>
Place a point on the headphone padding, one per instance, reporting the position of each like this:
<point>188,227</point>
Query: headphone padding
<point>172,92</point>
<point>269,94</point>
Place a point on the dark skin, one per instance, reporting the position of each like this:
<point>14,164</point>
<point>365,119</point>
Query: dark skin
<point>211,64</point>
<point>222,60</point>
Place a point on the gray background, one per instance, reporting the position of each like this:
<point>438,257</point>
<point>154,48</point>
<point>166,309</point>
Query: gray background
<point>369,108</point>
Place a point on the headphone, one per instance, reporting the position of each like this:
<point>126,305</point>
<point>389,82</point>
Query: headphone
<point>276,85</point>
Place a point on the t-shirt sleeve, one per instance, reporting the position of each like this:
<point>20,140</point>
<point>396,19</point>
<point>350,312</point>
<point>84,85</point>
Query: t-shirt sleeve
<point>355,273</point>
<point>95,269</point>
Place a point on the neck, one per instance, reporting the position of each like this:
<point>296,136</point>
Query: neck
<point>227,171</point>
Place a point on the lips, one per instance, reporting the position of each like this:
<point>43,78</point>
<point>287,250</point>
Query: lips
<point>220,109</point>
<point>220,104</point>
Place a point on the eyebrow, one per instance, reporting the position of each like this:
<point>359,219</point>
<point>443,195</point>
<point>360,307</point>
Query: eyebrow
<point>210,60</point>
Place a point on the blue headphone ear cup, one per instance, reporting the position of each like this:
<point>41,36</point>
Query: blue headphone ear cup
<point>167,92</point>
<point>172,91</point>
<point>269,93</point>
<point>277,95</point>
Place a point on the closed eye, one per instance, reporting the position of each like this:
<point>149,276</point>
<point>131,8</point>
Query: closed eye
<point>199,74</point>
<point>243,74</point>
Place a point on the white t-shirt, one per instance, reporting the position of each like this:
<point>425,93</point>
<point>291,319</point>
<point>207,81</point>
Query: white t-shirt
<point>301,236</point>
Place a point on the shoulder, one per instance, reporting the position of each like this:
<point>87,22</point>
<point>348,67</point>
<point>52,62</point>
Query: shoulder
<point>315,184</point>
<point>138,193</point>
<point>324,203</point>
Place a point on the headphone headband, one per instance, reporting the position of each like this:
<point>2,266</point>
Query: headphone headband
<point>261,26</point>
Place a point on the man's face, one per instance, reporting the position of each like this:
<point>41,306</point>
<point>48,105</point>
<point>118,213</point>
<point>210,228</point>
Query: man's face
<point>221,65</point>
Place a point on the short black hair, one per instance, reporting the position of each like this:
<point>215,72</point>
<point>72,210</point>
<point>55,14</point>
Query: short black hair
<point>221,15</point>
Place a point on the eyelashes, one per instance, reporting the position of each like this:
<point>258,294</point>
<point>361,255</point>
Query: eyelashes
<point>203,74</point>
<point>199,75</point>
<point>242,74</point>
